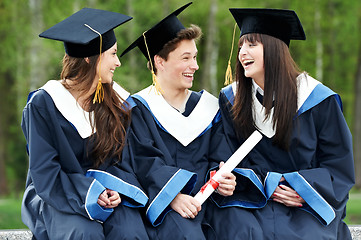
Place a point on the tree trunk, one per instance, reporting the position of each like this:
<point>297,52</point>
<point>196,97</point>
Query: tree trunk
<point>3,179</point>
<point>357,122</point>
<point>319,44</point>
<point>209,64</point>
<point>37,73</point>
<point>5,109</point>
<point>329,80</point>
<point>132,80</point>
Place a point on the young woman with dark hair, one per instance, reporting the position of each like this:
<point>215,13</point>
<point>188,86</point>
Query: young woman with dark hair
<point>78,184</point>
<point>294,184</point>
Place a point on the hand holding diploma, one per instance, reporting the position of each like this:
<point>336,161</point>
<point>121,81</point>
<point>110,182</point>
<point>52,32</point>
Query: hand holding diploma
<point>228,167</point>
<point>227,183</point>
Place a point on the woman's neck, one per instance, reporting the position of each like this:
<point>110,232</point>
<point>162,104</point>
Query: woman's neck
<point>260,83</point>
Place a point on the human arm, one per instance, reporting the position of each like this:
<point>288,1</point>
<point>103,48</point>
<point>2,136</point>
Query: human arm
<point>54,170</point>
<point>325,151</point>
<point>185,205</point>
<point>154,166</point>
<point>248,191</point>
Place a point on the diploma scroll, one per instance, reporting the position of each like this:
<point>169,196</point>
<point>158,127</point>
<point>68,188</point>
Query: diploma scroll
<point>228,166</point>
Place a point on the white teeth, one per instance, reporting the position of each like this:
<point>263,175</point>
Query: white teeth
<point>246,62</point>
<point>112,71</point>
<point>188,75</point>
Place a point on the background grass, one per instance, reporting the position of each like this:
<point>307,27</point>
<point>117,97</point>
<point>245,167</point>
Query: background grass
<point>353,208</point>
<point>10,209</point>
<point>10,217</point>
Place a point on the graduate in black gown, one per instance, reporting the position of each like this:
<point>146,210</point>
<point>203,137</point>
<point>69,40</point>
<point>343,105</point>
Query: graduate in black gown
<point>171,130</point>
<point>78,184</point>
<point>294,184</point>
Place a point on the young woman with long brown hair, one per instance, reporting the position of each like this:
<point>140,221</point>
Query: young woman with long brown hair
<point>294,184</point>
<point>78,185</point>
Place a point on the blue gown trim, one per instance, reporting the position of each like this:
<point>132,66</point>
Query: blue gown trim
<point>228,92</point>
<point>182,181</point>
<point>130,102</point>
<point>144,102</point>
<point>31,95</point>
<point>321,209</point>
<point>318,94</point>
<point>250,174</point>
<point>114,183</point>
<point>315,203</point>
<point>271,182</point>
<point>94,210</point>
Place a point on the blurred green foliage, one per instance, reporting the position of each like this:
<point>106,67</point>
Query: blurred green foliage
<point>329,54</point>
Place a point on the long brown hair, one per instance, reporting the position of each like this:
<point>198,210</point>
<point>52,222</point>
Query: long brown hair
<point>111,116</point>
<point>280,83</point>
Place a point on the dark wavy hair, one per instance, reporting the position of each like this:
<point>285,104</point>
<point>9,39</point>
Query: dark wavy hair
<point>280,82</point>
<point>111,116</point>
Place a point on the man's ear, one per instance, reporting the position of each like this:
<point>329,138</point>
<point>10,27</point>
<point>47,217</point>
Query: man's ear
<point>86,59</point>
<point>158,62</point>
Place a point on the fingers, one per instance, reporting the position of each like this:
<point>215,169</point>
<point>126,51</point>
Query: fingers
<point>186,206</point>
<point>109,199</point>
<point>287,196</point>
<point>114,198</point>
<point>103,199</point>
<point>191,207</point>
<point>114,203</point>
<point>227,184</point>
<point>221,164</point>
<point>113,195</point>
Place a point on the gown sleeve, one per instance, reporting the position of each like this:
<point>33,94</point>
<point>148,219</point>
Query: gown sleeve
<point>326,184</point>
<point>160,180</point>
<point>49,151</point>
<point>249,192</point>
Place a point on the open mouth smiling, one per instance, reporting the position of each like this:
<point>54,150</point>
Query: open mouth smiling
<point>247,62</point>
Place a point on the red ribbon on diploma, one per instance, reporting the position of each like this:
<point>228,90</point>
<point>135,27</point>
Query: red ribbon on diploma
<point>212,182</point>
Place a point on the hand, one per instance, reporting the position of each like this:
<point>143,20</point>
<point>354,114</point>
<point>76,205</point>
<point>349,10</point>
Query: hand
<point>227,184</point>
<point>287,196</point>
<point>103,199</point>
<point>185,205</point>
<point>114,198</point>
<point>109,199</point>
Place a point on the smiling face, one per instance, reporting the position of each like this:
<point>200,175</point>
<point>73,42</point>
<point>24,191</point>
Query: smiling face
<point>109,62</point>
<point>178,70</point>
<point>251,57</point>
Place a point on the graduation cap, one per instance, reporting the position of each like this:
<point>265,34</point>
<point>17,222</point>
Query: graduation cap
<point>154,39</point>
<point>278,23</point>
<point>81,31</point>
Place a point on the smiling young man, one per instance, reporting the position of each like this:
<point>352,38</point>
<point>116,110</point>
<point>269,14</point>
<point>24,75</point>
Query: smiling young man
<point>171,131</point>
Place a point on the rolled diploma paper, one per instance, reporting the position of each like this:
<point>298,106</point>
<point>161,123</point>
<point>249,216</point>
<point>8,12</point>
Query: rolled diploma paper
<point>228,166</point>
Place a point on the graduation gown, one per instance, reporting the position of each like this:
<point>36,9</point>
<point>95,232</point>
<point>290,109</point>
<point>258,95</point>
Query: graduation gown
<point>318,165</point>
<point>171,149</point>
<point>61,184</point>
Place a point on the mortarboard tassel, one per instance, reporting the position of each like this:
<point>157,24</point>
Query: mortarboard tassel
<point>154,77</point>
<point>99,92</point>
<point>228,77</point>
